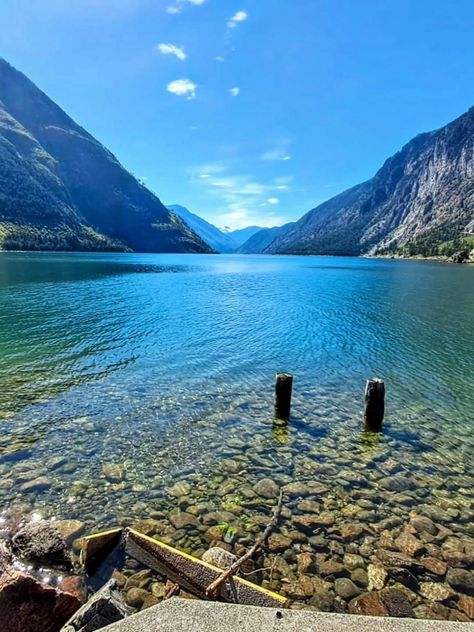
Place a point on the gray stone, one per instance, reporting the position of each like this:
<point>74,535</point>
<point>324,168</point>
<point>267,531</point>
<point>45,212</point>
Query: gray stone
<point>266,488</point>
<point>114,472</point>
<point>346,588</point>
<point>219,557</point>
<point>39,484</point>
<point>461,580</point>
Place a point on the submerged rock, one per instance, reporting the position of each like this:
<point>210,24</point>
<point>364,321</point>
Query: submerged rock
<point>278,542</point>
<point>219,557</point>
<point>436,592</point>
<point>377,577</point>
<point>114,472</point>
<point>461,580</point>
<point>346,588</point>
<point>183,520</point>
<point>41,543</point>
<point>266,488</point>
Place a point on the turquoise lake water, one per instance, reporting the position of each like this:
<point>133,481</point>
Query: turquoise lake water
<point>165,365</point>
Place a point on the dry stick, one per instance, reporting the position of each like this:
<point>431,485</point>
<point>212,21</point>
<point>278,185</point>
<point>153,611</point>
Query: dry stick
<point>217,583</point>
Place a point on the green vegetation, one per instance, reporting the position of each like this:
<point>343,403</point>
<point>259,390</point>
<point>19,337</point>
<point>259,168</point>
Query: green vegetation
<point>439,242</point>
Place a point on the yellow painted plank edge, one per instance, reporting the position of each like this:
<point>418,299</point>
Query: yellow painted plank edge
<point>270,593</point>
<point>101,534</point>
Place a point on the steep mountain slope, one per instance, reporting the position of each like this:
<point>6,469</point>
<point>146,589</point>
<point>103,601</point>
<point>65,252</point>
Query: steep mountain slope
<point>240,236</point>
<point>422,197</point>
<point>60,189</point>
<point>261,240</point>
<point>219,241</point>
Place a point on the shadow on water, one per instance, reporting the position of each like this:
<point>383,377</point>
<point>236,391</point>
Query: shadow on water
<point>19,268</point>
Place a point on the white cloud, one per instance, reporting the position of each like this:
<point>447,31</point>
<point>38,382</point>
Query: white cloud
<point>177,7</point>
<point>234,91</point>
<point>240,16</point>
<point>239,198</point>
<point>280,153</point>
<point>182,88</point>
<point>220,58</point>
<point>171,49</point>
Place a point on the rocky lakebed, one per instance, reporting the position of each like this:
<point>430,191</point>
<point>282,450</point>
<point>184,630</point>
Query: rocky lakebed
<point>361,530</point>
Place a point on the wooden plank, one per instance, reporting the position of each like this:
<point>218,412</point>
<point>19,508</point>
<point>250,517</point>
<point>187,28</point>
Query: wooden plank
<point>95,548</point>
<point>194,575</point>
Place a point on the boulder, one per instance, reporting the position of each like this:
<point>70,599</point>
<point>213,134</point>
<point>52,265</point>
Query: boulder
<point>219,557</point>
<point>266,488</point>
<point>370,604</point>
<point>306,563</point>
<point>466,605</point>
<point>183,520</point>
<point>42,544</point>
<point>435,566</point>
<point>278,542</point>
<point>180,489</point>
<point>434,591</point>
<point>114,472</point>
<point>396,602</point>
<point>345,588</point>
<point>377,577</point>
<point>26,604</point>
<point>461,580</point>
<point>69,529</point>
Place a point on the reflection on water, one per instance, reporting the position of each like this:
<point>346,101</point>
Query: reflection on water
<point>118,359</point>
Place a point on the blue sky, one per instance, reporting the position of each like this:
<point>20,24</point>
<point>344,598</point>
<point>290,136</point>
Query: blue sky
<point>252,111</point>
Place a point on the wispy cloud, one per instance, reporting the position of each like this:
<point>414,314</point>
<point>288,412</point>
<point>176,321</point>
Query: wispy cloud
<point>276,154</point>
<point>220,58</point>
<point>182,88</point>
<point>239,16</point>
<point>178,5</point>
<point>240,198</point>
<point>171,49</point>
<point>234,91</point>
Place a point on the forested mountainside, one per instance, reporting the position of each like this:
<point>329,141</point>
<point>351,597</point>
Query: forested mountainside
<point>60,189</point>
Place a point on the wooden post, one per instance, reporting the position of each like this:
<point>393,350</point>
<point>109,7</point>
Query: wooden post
<point>374,404</point>
<point>283,387</point>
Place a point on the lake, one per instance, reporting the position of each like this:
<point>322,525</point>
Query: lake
<point>141,386</point>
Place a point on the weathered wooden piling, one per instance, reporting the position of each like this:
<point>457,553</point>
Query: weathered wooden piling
<point>283,388</point>
<point>374,404</point>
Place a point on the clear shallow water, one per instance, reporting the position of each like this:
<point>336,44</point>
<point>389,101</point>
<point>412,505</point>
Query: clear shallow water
<point>164,365</point>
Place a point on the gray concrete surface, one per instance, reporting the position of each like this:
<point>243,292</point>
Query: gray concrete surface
<point>186,615</point>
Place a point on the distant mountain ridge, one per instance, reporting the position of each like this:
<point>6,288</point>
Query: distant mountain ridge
<point>240,235</point>
<point>60,189</point>
<point>262,239</point>
<point>219,241</point>
<point>421,198</point>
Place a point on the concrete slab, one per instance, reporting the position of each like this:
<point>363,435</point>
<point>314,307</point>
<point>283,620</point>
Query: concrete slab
<point>187,615</point>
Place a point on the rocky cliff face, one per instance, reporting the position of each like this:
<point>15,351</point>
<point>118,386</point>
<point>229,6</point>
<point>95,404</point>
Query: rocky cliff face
<point>422,197</point>
<point>60,189</point>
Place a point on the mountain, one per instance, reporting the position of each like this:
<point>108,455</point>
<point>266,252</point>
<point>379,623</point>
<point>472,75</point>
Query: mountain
<point>420,202</point>
<point>218,240</point>
<point>60,189</point>
<point>262,239</point>
<point>240,236</point>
